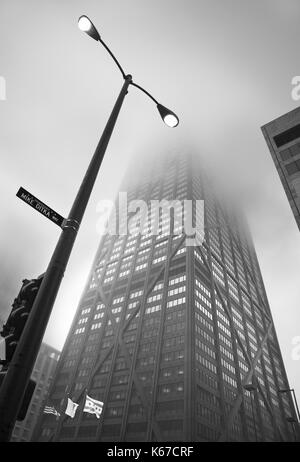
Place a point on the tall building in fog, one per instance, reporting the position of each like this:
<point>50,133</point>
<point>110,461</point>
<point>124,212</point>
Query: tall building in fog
<point>167,335</point>
<point>283,139</point>
<point>42,374</point>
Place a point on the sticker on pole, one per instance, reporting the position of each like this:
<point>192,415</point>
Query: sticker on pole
<point>40,206</point>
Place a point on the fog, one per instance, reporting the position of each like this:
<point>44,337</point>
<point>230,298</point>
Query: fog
<point>225,67</point>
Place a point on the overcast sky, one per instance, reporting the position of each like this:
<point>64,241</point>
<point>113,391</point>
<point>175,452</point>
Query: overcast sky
<point>225,66</point>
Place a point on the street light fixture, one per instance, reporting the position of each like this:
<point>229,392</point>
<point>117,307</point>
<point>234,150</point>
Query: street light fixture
<point>293,421</point>
<point>290,419</point>
<point>249,387</point>
<point>18,375</point>
<point>168,116</point>
<point>292,391</point>
<point>86,25</point>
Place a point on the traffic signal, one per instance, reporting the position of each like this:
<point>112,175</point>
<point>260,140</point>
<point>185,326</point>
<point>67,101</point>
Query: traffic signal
<point>16,321</point>
<point>12,331</point>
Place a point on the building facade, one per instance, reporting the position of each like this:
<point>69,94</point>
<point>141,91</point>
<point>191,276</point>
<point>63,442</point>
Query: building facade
<point>167,335</point>
<point>283,139</point>
<point>42,374</point>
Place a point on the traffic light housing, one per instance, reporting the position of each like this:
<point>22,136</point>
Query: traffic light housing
<point>13,328</point>
<point>12,331</point>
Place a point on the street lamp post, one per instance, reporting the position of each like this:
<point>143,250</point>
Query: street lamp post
<point>292,420</point>
<point>251,388</point>
<point>292,390</point>
<point>18,374</point>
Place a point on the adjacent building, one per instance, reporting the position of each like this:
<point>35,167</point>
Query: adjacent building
<point>42,374</point>
<point>176,340</point>
<point>283,139</point>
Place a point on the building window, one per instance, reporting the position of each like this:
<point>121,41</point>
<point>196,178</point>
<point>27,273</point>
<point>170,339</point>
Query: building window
<point>80,331</point>
<point>287,136</point>
<point>293,167</point>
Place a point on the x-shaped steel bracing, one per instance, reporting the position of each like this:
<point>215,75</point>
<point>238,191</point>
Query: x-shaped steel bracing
<point>251,363</point>
<point>119,333</point>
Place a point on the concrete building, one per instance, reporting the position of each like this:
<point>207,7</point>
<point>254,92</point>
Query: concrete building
<point>168,335</point>
<point>42,374</point>
<point>283,139</point>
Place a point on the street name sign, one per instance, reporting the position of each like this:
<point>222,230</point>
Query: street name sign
<point>40,206</point>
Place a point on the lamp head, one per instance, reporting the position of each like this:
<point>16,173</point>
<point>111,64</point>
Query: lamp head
<point>169,117</point>
<point>253,385</point>
<point>86,25</point>
<point>249,387</point>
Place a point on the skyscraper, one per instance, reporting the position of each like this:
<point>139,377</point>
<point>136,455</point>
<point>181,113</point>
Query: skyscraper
<point>168,335</point>
<point>283,139</point>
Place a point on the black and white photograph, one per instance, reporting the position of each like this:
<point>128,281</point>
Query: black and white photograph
<point>150,225</point>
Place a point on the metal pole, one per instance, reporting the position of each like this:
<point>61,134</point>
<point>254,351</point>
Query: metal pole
<point>297,429</point>
<point>294,431</point>
<point>296,404</point>
<point>253,416</point>
<point>18,374</point>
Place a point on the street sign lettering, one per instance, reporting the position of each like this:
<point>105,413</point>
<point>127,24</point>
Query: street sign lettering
<point>40,206</point>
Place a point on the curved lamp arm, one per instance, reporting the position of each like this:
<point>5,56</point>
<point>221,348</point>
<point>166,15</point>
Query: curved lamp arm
<point>114,58</point>
<point>168,116</point>
<point>144,91</point>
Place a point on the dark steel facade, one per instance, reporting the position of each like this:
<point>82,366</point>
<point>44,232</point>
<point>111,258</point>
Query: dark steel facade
<point>167,335</point>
